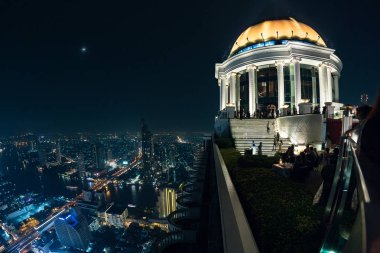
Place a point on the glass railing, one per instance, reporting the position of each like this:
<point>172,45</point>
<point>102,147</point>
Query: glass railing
<point>346,215</point>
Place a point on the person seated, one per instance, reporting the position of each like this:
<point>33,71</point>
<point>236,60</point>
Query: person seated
<point>303,158</point>
<point>300,170</point>
<point>310,159</point>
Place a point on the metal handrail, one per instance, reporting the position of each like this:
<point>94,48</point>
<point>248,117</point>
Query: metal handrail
<point>359,235</point>
<point>363,185</point>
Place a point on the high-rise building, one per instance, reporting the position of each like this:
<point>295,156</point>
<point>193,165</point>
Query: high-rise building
<point>58,152</point>
<point>166,202</point>
<point>81,165</point>
<point>72,230</point>
<point>147,151</point>
<point>42,153</point>
<point>100,156</point>
<point>109,154</point>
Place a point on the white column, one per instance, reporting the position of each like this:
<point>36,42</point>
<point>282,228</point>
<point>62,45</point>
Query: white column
<point>336,87</point>
<point>227,91</point>
<point>252,81</point>
<point>297,81</point>
<point>223,91</point>
<point>237,93</point>
<point>329,84</point>
<point>220,94</point>
<point>322,85</point>
<point>314,89</point>
<point>280,83</point>
<point>233,89</point>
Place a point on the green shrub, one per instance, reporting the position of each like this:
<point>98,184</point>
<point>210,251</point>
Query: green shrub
<point>256,161</point>
<point>225,142</point>
<point>279,211</point>
<point>230,157</point>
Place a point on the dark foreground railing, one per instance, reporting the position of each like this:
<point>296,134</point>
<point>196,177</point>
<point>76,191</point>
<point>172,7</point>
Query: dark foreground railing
<point>236,233</point>
<point>352,218</point>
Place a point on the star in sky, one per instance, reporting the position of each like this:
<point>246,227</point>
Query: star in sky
<point>83,49</point>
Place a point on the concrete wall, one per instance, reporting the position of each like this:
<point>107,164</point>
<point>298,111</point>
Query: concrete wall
<point>236,232</point>
<point>301,129</point>
<point>222,128</point>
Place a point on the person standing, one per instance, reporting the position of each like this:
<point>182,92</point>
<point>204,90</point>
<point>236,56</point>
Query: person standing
<point>260,152</point>
<point>268,128</point>
<point>253,148</point>
<point>274,143</point>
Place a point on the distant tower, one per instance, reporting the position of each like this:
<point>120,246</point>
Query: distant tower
<point>81,165</point>
<point>364,98</point>
<point>100,156</point>
<point>59,155</point>
<point>32,145</point>
<point>109,154</point>
<point>72,230</point>
<point>147,151</point>
<point>172,158</point>
<point>42,153</point>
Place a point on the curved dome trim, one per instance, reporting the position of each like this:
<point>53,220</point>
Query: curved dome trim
<point>284,29</point>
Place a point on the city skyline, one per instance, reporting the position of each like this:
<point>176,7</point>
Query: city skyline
<point>86,66</point>
<point>155,127</point>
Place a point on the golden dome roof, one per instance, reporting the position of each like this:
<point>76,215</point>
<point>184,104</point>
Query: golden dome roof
<point>284,29</point>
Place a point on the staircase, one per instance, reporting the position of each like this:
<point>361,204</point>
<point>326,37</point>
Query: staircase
<point>246,130</point>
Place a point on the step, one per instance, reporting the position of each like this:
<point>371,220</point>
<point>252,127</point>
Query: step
<point>248,130</point>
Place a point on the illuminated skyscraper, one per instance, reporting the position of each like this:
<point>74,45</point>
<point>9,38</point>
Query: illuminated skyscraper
<point>166,202</point>
<point>72,230</point>
<point>147,151</point>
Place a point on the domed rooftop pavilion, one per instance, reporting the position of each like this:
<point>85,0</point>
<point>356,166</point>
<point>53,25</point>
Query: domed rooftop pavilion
<point>278,64</point>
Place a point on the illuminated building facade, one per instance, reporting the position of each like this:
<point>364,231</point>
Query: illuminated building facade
<point>72,230</point>
<point>281,64</point>
<point>113,215</point>
<point>166,202</point>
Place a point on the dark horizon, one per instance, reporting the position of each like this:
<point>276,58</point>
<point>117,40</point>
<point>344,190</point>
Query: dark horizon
<point>76,66</point>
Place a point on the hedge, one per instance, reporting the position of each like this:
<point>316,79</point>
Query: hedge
<point>280,212</point>
<point>257,161</point>
<point>225,142</point>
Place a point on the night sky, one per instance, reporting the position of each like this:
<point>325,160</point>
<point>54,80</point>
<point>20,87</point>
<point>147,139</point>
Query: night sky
<point>76,65</point>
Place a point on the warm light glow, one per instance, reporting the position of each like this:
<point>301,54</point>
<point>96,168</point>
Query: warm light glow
<point>285,29</point>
